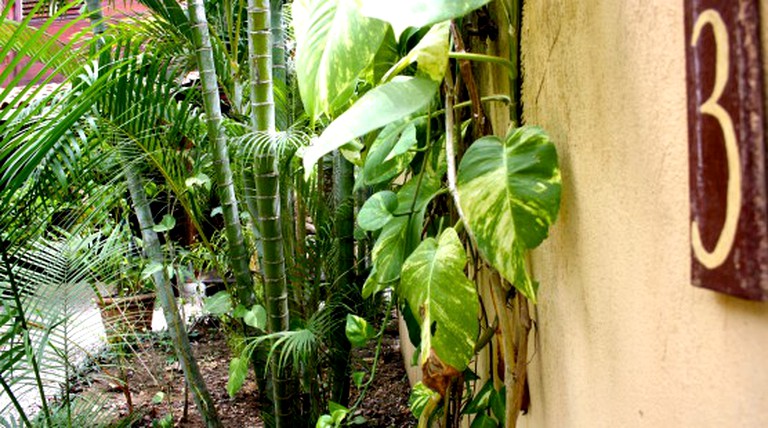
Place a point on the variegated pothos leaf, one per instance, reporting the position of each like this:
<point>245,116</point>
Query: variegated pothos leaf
<point>389,251</point>
<point>377,210</point>
<point>402,233</point>
<point>431,54</point>
<point>334,44</point>
<point>510,196</point>
<point>379,107</point>
<point>443,299</point>
<point>418,13</point>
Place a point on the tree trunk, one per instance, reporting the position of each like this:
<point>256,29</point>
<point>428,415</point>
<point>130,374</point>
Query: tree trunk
<point>176,328</point>
<point>267,194</point>
<point>238,253</point>
<point>279,74</point>
<point>348,294</point>
<point>278,41</point>
<point>153,252</point>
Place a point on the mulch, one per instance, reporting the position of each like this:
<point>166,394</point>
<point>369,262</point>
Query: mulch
<point>153,370</point>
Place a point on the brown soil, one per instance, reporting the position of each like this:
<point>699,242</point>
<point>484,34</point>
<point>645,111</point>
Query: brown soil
<point>154,369</point>
<point>386,402</point>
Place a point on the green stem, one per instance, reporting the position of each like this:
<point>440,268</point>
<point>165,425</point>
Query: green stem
<point>260,63</point>
<point>450,141</point>
<point>238,254</point>
<point>348,295</point>
<point>176,189</point>
<point>176,328</point>
<point>268,204</point>
<point>278,41</point>
<point>496,98</point>
<point>424,165</point>
<point>484,58</point>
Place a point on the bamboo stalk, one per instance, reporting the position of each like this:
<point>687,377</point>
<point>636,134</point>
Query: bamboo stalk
<point>176,328</point>
<point>238,253</point>
<point>267,181</point>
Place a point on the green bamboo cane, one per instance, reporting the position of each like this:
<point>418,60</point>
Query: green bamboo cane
<point>153,252</point>
<point>267,193</point>
<point>176,329</point>
<point>238,253</point>
<point>278,41</point>
<point>343,177</point>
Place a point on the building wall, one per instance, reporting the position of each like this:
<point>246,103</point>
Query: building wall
<point>622,338</point>
<point>64,30</point>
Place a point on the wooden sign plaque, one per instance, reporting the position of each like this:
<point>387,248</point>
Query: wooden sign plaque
<point>727,147</point>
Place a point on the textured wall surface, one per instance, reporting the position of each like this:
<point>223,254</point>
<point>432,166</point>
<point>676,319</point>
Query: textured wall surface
<point>623,339</point>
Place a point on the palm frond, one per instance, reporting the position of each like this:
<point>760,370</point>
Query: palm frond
<point>297,347</point>
<point>48,289</point>
<point>283,145</point>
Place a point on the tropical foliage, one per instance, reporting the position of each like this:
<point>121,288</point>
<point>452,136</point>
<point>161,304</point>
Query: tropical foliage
<point>335,177</point>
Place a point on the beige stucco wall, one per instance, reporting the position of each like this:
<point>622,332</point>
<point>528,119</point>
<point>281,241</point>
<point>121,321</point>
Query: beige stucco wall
<point>623,339</point>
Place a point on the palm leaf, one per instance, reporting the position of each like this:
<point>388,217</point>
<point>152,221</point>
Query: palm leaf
<point>50,283</point>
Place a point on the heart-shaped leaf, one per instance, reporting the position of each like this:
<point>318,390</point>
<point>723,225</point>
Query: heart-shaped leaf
<point>357,378</point>
<point>418,13</point>
<point>256,317</point>
<point>400,236</point>
<point>377,210</point>
<point>510,196</point>
<point>358,330</point>
<point>443,299</point>
<point>238,370</point>
<point>218,304</point>
<point>334,44</point>
<point>389,251</point>
<point>379,107</point>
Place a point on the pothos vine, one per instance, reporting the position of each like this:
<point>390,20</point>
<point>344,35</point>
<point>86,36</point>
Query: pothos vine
<point>504,194</point>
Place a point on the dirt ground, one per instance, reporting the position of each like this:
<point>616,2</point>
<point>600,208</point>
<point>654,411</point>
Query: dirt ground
<point>154,370</point>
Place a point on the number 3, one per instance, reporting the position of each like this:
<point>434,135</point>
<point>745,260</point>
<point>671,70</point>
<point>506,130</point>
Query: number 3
<point>717,257</point>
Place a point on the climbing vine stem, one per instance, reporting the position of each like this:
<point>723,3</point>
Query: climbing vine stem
<point>450,141</point>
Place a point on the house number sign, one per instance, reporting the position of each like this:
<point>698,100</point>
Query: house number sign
<point>727,147</point>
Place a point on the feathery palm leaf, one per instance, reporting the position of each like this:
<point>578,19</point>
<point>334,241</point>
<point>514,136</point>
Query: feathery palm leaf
<point>47,289</point>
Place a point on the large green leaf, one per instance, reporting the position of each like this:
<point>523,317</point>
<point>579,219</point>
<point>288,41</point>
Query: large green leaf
<point>256,317</point>
<point>218,304</point>
<point>510,196</point>
<point>238,370</point>
<point>389,154</point>
<point>382,105</point>
<point>402,233</point>
<point>334,44</point>
<point>389,251</point>
<point>377,210</point>
<point>431,53</point>
<point>443,299</point>
<point>417,13</point>
<point>358,331</point>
